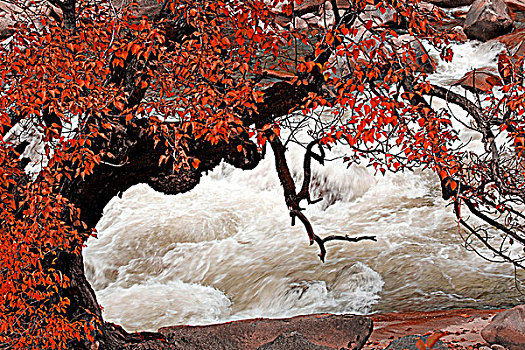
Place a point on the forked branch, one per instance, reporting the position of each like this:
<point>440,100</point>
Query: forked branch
<point>293,199</point>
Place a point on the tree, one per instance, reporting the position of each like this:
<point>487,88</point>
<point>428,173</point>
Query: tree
<point>97,97</point>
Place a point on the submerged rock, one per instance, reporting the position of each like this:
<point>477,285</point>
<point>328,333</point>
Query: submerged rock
<point>507,329</point>
<point>323,331</point>
<point>480,80</point>
<point>409,343</point>
<point>488,19</point>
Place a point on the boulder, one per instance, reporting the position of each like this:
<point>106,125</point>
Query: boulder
<point>10,14</point>
<point>451,3</point>
<point>292,341</point>
<point>517,5</point>
<point>480,80</point>
<point>507,329</point>
<point>488,19</point>
<point>148,8</point>
<point>322,330</point>
<point>409,343</point>
<point>508,62</point>
<point>460,34</point>
<point>512,40</point>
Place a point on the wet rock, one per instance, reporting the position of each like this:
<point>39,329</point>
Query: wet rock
<point>10,14</point>
<point>480,80</point>
<point>488,19</point>
<point>497,347</point>
<point>512,40</point>
<point>310,19</point>
<point>517,5</point>
<point>460,34</point>
<point>409,343</point>
<point>427,7</point>
<point>326,330</point>
<point>507,329</point>
<point>148,8</point>
<point>6,24</point>
<point>300,23</point>
<point>451,3</point>
<point>293,341</point>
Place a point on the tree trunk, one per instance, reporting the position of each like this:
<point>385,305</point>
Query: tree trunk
<point>136,161</point>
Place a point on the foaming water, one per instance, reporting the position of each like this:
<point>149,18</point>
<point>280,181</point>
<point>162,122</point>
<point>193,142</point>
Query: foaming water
<point>226,249</point>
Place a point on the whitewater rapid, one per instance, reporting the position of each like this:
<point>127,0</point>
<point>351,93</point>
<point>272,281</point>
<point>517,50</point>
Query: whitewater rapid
<point>226,249</point>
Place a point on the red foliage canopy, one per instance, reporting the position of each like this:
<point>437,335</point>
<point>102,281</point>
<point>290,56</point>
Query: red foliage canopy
<point>83,82</point>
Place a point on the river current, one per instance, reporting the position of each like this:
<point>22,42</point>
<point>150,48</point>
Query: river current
<point>226,249</point>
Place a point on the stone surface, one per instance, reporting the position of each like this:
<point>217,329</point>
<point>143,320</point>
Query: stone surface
<point>331,331</point>
<point>517,5</point>
<point>488,19</point>
<point>292,341</point>
<point>481,80</point>
<point>497,347</point>
<point>507,328</point>
<point>10,14</point>
<point>451,3</point>
<point>146,8</point>
<point>409,343</point>
<point>460,34</point>
<point>512,40</point>
<point>462,326</point>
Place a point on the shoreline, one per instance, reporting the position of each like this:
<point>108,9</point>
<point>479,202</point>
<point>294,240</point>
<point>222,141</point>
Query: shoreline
<point>461,326</point>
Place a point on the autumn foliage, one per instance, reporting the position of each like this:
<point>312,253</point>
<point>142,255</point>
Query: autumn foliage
<point>193,77</point>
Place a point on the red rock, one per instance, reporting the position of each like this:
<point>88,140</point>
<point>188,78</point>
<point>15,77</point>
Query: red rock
<point>323,330</point>
<point>507,329</point>
<point>517,5</point>
<point>10,14</point>
<point>482,79</point>
<point>451,3</point>
<point>146,8</point>
<point>460,34</point>
<point>488,19</point>
<point>314,5</point>
<point>293,341</point>
<point>512,40</point>
<point>395,325</point>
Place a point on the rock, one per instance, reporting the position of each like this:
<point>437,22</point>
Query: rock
<point>310,19</point>
<point>6,24</point>
<point>451,3</point>
<point>498,347</point>
<point>427,7</point>
<point>148,8</point>
<point>480,80</point>
<point>10,14</point>
<point>488,19</point>
<point>409,343</point>
<point>292,341</point>
<point>512,40</point>
<point>331,331</point>
<point>300,23</point>
<point>460,34</point>
<point>507,329</point>
<point>517,5</point>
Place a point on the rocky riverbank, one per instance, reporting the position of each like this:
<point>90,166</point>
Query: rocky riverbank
<point>460,329</point>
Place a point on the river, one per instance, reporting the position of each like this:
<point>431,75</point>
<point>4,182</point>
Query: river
<point>226,249</point>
